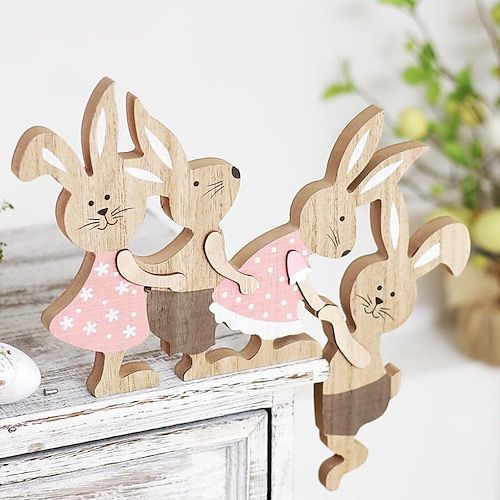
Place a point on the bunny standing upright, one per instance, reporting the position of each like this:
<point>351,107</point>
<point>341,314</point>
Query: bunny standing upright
<point>378,293</point>
<point>101,207</point>
<point>197,195</point>
<point>322,221</point>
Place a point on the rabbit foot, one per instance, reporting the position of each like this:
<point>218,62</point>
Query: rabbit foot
<point>349,455</point>
<point>257,353</point>
<point>132,376</point>
<point>395,375</point>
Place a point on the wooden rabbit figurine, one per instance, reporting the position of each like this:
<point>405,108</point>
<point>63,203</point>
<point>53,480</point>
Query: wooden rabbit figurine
<point>322,221</point>
<point>197,195</point>
<point>101,207</point>
<point>378,293</point>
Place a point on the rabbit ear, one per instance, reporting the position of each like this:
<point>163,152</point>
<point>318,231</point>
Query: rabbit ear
<point>41,152</point>
<point>355,146</point>
<point>389,222</point>
<point>440,241</point>
<point>160,151</point>
<point>100,125</point>
<point>385,170</point>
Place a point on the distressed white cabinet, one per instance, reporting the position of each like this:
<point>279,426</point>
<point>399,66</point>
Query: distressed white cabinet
<point>228,437</point>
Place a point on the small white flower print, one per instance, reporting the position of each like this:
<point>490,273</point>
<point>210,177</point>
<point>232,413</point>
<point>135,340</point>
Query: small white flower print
<point>238,299</point>
<point>289,316</point>
<point>122,288</point>
<point>257,260</point>
<point>267,296</point>
<point>66,323</point>
<point>90,328</point>
<point>112,315</point>
<point>270,269</point>
<point>129,331</point>
<point>109,336</point>
<point>101,269</point>
<point>265,315</point>
<point>251,306</point>
<point>292,240</point>
<point>283,302</point>
<point>224,295</point>
<point>281,279</point>
<point>86,294</point>
<point>274,249</point>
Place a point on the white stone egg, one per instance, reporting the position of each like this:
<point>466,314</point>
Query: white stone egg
<point>19,375</point>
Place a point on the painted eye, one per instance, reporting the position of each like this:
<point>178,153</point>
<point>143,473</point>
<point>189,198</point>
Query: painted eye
<point>107,197</point>
<point>196,183</point>
<point>379,288</point>
<point>393,294</point>
<point>91,203</point>
<point>342,218</point>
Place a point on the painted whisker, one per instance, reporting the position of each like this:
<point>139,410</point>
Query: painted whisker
<point>219,189</point>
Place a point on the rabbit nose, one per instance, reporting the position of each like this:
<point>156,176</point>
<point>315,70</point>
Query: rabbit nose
<point>103,211</point>
<point>346,252</point>
<point>378,301</point>
<point>235,172</point>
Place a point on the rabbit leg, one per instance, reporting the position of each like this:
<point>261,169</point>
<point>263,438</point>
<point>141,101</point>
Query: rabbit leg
<point>395,375</point>
<point>109,376</point>
<point>349,455</point>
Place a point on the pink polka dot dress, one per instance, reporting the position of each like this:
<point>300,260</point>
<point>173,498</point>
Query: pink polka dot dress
<point>108,314</point>
<point>271,311</point>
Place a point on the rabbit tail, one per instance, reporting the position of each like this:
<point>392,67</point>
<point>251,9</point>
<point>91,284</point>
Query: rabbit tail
<point>349,455</point>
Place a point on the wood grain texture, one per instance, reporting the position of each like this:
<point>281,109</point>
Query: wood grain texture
<point>323,212</point>
<point>222,458</point>
<point>378,293</point>
<point>72,416</point>
<point>180,319</point>
<point>198,195</point>
<point>100,208</point>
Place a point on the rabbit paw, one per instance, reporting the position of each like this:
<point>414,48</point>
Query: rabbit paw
<point>248,284</point>
<point>395,375</point>
<point>177,282</point>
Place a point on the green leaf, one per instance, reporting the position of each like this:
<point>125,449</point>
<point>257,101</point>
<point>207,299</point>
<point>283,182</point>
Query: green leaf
<point>437,190</point>
<point>476,149</point>
<point>433,91</point>
<point>470,191</point>
<point>414,75</point>
<point>495,13</point>
<point>410,4</point>
<point>427,56</point>
<point>456,153</point>
<point>337,89</point>
<point>463,81</point>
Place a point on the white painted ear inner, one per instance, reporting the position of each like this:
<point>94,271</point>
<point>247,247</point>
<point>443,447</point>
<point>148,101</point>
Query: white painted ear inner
<point>51,158</point>
<point>381,176</point>
<point>144,175</point>
<point>158,147</point>
<point>101,132</point>
<point>394,226</point>
<point>358,151</point>
<point>428,256</point>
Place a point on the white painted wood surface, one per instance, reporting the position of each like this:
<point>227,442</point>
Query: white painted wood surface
<point>73,418</point>
<point>222,458</point>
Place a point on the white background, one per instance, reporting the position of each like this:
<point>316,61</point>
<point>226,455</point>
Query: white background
<point>243,81</point>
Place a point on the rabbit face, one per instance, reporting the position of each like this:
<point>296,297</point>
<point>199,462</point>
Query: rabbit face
<point>381,299</point>
<point>100,215</point>
<point>328,223</point>
<point>202,197</point>
<point>103,201</point>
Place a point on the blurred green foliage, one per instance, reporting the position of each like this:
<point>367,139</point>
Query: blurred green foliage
<point>4,206</point>
<point>450,113</point>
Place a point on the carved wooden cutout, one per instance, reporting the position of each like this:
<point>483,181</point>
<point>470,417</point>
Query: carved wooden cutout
<point>322,221</point>
<point>378,293</point>
<point>99,210</point>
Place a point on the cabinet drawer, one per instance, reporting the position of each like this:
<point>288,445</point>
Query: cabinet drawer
<point>216,459</point>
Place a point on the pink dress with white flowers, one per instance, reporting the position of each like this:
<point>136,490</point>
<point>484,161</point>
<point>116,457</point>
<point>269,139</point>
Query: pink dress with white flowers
<point>271,311</point>
<point>108,314</point>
